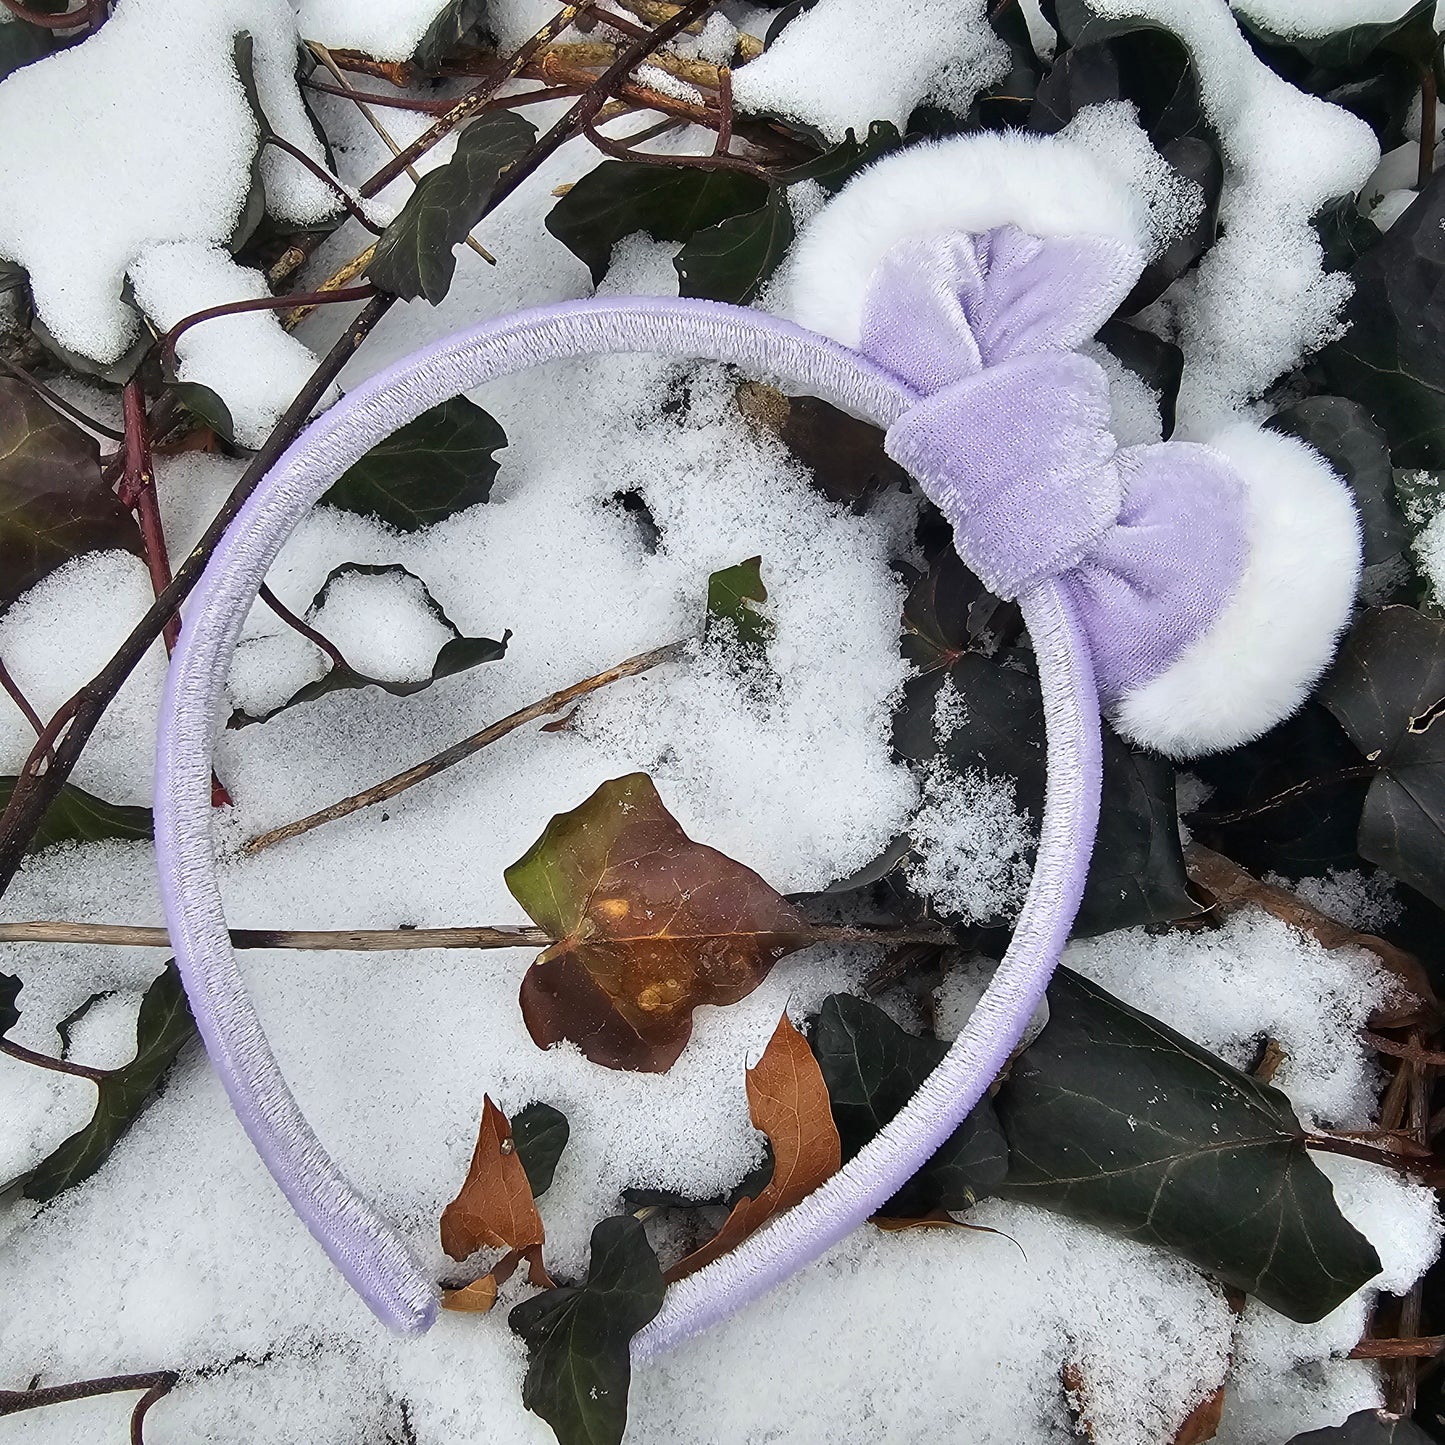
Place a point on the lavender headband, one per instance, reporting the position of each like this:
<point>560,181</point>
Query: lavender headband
<point>1195,590</point>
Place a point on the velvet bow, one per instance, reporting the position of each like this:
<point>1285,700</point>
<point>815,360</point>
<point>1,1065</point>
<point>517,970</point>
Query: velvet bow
<point>1010,438</point>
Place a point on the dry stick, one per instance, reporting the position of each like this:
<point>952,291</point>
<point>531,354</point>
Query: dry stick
<point>38,784</point>
<point>401,940</point>
<point>324,56</point>
<point>475,100</point>
<point>1416,1347</point>
<point>303,306</point>
<point>450,757</point>
<point>156,1384</point>
<point>59,402</point>
<point>1289,795</point>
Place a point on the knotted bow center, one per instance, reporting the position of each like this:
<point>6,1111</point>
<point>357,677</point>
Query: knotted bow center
<point>1010,438</point>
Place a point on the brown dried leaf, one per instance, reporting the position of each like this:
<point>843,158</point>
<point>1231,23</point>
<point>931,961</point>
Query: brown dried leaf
<point>495,1207</point>
<point>648,926</point>
<point>788,1101</point>
<point>1232,887</point>
<point>476,1298</point>
<point>1202,1422</point>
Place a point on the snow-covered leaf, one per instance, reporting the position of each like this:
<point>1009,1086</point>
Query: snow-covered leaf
<point>579,1366</point>
<point>733,594</point>
<point>872,1068</point>
<point>439,464</point>
<point>1388,692</point>
<point>80,817</point>
<point>787,1101</point>
<point>1347,48</point>
<point>54,504</point>
<point>1114,1119</point>
<point>20,43</point>
<point>1367,1427</point>
<point>840,163</point>
<point>731,260</point>
<point>648,925</point>
<point>669,203</point>
<point>163,1028</point>
<point>455,21</point>
<point>414,257</point>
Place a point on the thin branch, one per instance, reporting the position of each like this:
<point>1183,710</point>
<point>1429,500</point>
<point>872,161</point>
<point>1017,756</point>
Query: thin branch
<point>70,20</point>
<point>1418,1347</point>
<point>306,630</point>
<point>725,110</point>
<point>1427,125</point>
<point>59,402</point>
<point>399,940</point>
<point>138,491</point>
<point>459,752</point>
<point>155,1384</point>
<point>474,101</point>
<point>357,213</point>
<point>1359,1149</point>
<point>49,1061</point>
<point>372,97</point>
<point>12,688</point>
<point>715,162</point>
<point>1289,795</point>
<point>261,303</point>
<point>39,784</point>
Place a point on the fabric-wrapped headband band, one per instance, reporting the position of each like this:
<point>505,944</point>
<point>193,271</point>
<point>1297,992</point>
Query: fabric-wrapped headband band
<point>1196,589</point>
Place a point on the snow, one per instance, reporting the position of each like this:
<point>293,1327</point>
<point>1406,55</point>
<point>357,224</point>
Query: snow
<point>1366,901</point>
<point>181,1252</point>
<point>385,29</point>
<point>1294,19</point>
<point>1259,301</point>
<point>918,50</point>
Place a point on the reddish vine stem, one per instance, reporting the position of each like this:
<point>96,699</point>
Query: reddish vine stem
<point>137,491</point>
<point>322,174</point>
<point>156,1384</point>
<point>369,97</point>
<point>1427,125</point>
<point>714,162</point>
<point>49,1061</point>
<point>1372,1154</point>
<point>262,303</point>
<point>304,628</point>
<point>12,689</point>
<point>70,20</point>
<point>58,402</point>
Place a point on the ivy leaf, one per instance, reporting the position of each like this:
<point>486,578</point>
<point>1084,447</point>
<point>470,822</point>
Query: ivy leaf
<point>1344,434</point>
<point>456,655</point>
<point>648,925</point>
<point>10,987</point>
<point>1114,1119</point>
<point>838,165</point>
<point>670,203</point>
<point>540,1133</point>
<point>439,464</point>
<point>163,1028</point>
<point>731,260</point>
<point>80,817</point>
<point>1159,364</point>
<point>20,43</point>
<point>1387,691</point>
<point>578,1337</point>
<point>456,21</point>
<point>787,1101</point>
<point>54,504</point>
<point>732,596</point>
<point>872,1068</point>
<point>1347,49</point>
<point>1195,159</point>
<point>414,256</point>
<point>495,1207</point>
<point>1344,233</point>
<point>1367,1427</point>
<point>1392,358</point>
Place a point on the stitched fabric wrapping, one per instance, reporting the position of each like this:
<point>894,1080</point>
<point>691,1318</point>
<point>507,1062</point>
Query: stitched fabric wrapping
<point>1010,438</point>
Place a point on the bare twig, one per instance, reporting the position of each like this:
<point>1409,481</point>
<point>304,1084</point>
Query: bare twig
<point>156,1384</point>
<point>12,689</point>
<point>59,402</point>
<point>261,303</point>
<point>714,162</point>
<point>356,212</point>
<point>138,491</point>
<point>1420,1347</point>
<point>304,305</point>
<point>397,940</point>
<point>372,97</point>
<point>49,1061</point>
<point>297,624</point>
<point>725,110</point>
<point>458,752</point>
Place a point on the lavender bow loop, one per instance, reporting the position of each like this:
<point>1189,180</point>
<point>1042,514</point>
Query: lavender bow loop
<point>1010,437</point>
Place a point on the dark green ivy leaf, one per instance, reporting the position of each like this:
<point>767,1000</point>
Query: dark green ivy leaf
<point>204,404</point>
<point>732,596</point>
<point>670,203</point>
<point>732,260</point>
<point>163,1028</point>
<point>540,1133</point>
<point>578,1336</point>
<point>1347,49</point>
<point>20,43</point>
<point>1159,364</point>
<point>54,504</point>
<point>837,166</point>
<point>1387,691</point>
<point>1367,1427</point>
<point>414,257</point>
<point>80,817</point>
<point>872,1067</point>
<point>1392,358</point>
<point>441,463</point>
<point>1345,235</point>
<point>1113,1119</point>
<point>457,20</point>
<point>454,656</point>
<point>9,1013</point>
<point>1343,433</point>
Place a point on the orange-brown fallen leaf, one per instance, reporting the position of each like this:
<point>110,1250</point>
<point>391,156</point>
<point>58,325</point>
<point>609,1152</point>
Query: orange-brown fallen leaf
<point>476,1298</point>
<point>788,1101</point>
<point>648,926</point>
<point>495,1207</point>
<point>479,1296</point>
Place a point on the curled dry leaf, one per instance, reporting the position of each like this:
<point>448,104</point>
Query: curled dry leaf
<point>1232,887</point>
<point>495,1207</point>
<point>648,926</point>
<point>788,1101</point>
<point>476,1298</point>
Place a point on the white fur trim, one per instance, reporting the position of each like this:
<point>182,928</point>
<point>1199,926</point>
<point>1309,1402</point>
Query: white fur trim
<point>1045,185</point>
<point>1278,631</point>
